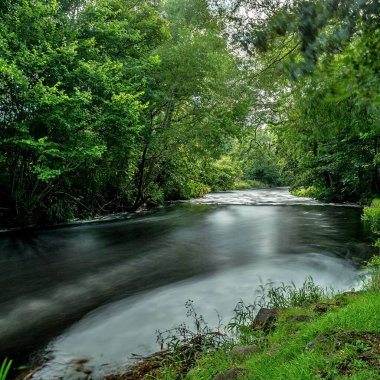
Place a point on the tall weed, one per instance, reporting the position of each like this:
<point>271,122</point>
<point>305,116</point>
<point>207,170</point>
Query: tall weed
<point>285,296</point>
<point>4,369</point>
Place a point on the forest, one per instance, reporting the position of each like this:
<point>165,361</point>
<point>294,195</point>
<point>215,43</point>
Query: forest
<point>114,105</point>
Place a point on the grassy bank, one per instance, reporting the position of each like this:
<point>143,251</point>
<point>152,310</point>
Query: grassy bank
<point>314,335</point>
<point>343,342</point>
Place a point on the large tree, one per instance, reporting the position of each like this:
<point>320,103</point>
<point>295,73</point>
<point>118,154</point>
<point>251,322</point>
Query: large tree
<point>71,83</point>
<point>197,102</point>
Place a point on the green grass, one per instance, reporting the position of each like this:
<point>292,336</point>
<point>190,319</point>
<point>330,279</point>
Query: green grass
<point>4,369</point>
<point>332,346</point>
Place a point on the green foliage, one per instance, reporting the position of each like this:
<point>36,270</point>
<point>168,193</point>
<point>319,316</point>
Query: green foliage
<point>194,108</point>
<point>371,217</point>
<point>315,63</point>
<point>113,105</point>
<point>278,297</point>
<point>323,194</point>
<point>185,343</point>
<point>248,184</point>
<point>192,189</point>
<point>224,174</point>
<point>199,334</point>
<point>71,105</point>
<point>373,267</point>
<point>4,369</point>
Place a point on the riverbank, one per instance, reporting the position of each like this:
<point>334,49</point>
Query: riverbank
<point>111,216</point>
<point>333,338</point>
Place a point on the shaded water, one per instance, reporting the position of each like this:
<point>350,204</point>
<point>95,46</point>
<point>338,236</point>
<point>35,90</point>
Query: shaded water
<point>100,291</point>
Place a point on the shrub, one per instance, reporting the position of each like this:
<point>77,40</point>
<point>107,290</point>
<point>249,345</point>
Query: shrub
<point>320,193</point>
<point>373,267</point>
<point>371,215</point>
<point>248,184</point>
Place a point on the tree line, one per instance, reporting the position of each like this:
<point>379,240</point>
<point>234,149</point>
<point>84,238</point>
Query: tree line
<point>110,105</point>
<point>113,105</point>
<point>318,61</point>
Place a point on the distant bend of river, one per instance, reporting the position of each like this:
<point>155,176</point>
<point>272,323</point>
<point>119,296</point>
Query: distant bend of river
<point>100,291</point>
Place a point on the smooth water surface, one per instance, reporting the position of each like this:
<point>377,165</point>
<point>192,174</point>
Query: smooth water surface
<point>100,291</point>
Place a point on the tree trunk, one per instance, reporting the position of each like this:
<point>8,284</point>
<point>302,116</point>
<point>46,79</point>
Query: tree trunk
<point>140,186</point>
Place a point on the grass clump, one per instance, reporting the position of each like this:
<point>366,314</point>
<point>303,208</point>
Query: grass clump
<point>286,296</point>
<point>4,369</point>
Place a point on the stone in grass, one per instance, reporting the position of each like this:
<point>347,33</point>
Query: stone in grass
<point>300,318</point>
<point>324,307</point>
<point>310,346</point>
<point>243,352</point>
<point>231,374</point>
<point>265,319</point>
<point>352,293</point>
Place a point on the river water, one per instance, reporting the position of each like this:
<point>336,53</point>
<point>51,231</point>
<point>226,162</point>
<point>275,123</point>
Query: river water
<point>99,291</point>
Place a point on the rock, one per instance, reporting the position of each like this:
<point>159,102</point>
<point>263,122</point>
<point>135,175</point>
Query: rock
<point>231,374</point>
<point>243,352</point>
<point>310,346</point>
<point>300,318</point>
<point>80,367</point>
<point>265,319</point>
<point>324,307</point>
<point>352,293</point>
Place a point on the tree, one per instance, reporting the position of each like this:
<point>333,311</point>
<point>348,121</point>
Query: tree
<point>71,103</point>
<point>196,103</point>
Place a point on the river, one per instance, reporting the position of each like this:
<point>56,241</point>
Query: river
<point>99,291</point>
